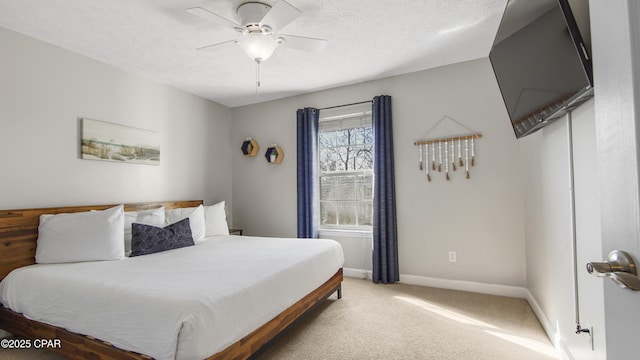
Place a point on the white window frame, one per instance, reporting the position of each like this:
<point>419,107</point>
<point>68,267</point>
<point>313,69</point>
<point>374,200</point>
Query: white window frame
<point>336,123</point>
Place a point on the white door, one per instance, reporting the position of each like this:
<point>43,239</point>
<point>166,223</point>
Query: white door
<point>615,31</point>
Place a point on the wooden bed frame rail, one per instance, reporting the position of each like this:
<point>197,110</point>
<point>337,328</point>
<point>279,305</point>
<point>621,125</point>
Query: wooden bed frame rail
<point>18,235</point>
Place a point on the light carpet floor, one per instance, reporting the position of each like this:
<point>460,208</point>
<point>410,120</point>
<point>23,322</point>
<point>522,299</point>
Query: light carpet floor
<point>403,322</point>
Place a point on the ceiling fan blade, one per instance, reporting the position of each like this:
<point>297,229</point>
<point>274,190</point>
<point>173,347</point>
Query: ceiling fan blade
<point>280,15</point>
<point>312,45</point>
<point>218,46</point>
<point>214,18</point>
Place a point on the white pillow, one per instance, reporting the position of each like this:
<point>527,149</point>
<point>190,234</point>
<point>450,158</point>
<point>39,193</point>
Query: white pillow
<point>84,236</point>
<point>153,217</point>
<point>215,219</point>
<point>196,220</point>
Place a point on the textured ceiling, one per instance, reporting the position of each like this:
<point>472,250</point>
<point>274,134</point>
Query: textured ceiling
<point>367,39</point>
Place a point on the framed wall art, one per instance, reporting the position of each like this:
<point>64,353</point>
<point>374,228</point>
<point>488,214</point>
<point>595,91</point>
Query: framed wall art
<point>113,142</point>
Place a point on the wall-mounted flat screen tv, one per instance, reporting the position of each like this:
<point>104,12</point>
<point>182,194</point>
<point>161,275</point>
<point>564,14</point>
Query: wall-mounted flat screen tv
<point>540,62</point>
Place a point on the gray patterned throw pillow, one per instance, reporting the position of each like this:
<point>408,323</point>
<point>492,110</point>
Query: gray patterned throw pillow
<point>147,239</point>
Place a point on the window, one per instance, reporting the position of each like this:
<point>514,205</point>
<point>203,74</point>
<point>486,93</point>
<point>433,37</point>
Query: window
<point>346,172</point>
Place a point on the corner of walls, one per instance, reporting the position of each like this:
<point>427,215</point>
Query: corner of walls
<point>548,227</point>
<point>264,194</point>
<point>552,331</point>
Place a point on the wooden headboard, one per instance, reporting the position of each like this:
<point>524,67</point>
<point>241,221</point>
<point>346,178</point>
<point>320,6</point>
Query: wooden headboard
<point>19,229</point>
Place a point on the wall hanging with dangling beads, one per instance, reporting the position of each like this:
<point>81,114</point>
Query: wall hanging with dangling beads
<point>456,152</point>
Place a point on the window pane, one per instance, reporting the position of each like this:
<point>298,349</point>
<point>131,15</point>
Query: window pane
<point>342,157</point>
<point>360,162</point>
<point>327,139</point>
<point>350,160</point>
<point>365,213</point>
<point>359,135</point>
<point>328,159</point>
<point>367,157</point>
<point>367,133</point>
<point>347,213</point>
<point>362,157</point>
<point>344,137</point>
<point>345,187</point>
<point>327,188</point>
<point>328,213</point>
<point>365,187</point>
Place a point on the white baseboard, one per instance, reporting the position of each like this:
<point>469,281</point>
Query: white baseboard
<point>482,288</point>
<point>356,273</point>
<point>550,329</point>
<point>471,286</point>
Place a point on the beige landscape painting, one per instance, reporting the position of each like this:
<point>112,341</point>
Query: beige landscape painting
<point>113,142</point>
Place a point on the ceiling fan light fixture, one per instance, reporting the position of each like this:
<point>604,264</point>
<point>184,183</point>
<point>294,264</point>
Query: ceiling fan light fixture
<point>258,46</point>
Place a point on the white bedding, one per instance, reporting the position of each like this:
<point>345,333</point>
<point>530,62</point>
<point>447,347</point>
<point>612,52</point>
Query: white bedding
<point>188,303</point>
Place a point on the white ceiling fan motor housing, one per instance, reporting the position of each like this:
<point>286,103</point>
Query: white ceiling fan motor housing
<point>250,14</point>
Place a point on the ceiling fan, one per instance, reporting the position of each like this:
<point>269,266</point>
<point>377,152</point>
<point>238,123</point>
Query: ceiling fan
<point>258,27</point>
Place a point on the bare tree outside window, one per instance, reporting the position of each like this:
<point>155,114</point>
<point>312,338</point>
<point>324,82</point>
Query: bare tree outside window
<point>346,177</point>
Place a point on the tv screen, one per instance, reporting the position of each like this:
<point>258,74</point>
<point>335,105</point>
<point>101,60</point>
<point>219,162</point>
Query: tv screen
<point>540,62</point>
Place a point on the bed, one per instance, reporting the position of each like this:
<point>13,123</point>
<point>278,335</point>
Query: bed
<point>271,294</point>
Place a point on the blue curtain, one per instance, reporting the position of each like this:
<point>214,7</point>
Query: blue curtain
<point>308,190</point>
<point>385,235</point>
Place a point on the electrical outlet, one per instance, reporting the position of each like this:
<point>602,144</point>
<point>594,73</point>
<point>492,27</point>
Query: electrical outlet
<point>452,256</point>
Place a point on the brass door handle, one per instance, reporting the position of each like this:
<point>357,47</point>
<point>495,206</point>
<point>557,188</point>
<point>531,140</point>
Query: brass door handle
<point>619,267</point>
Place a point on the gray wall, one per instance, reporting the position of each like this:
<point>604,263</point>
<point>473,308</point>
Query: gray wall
<point>45,90</point>
<point>481,218</point>
<point>548,229</point>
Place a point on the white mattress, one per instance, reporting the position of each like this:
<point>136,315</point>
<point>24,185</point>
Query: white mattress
<point>188,303</point>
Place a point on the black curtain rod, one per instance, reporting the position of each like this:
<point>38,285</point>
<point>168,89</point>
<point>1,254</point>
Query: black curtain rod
<point>356,103</point>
